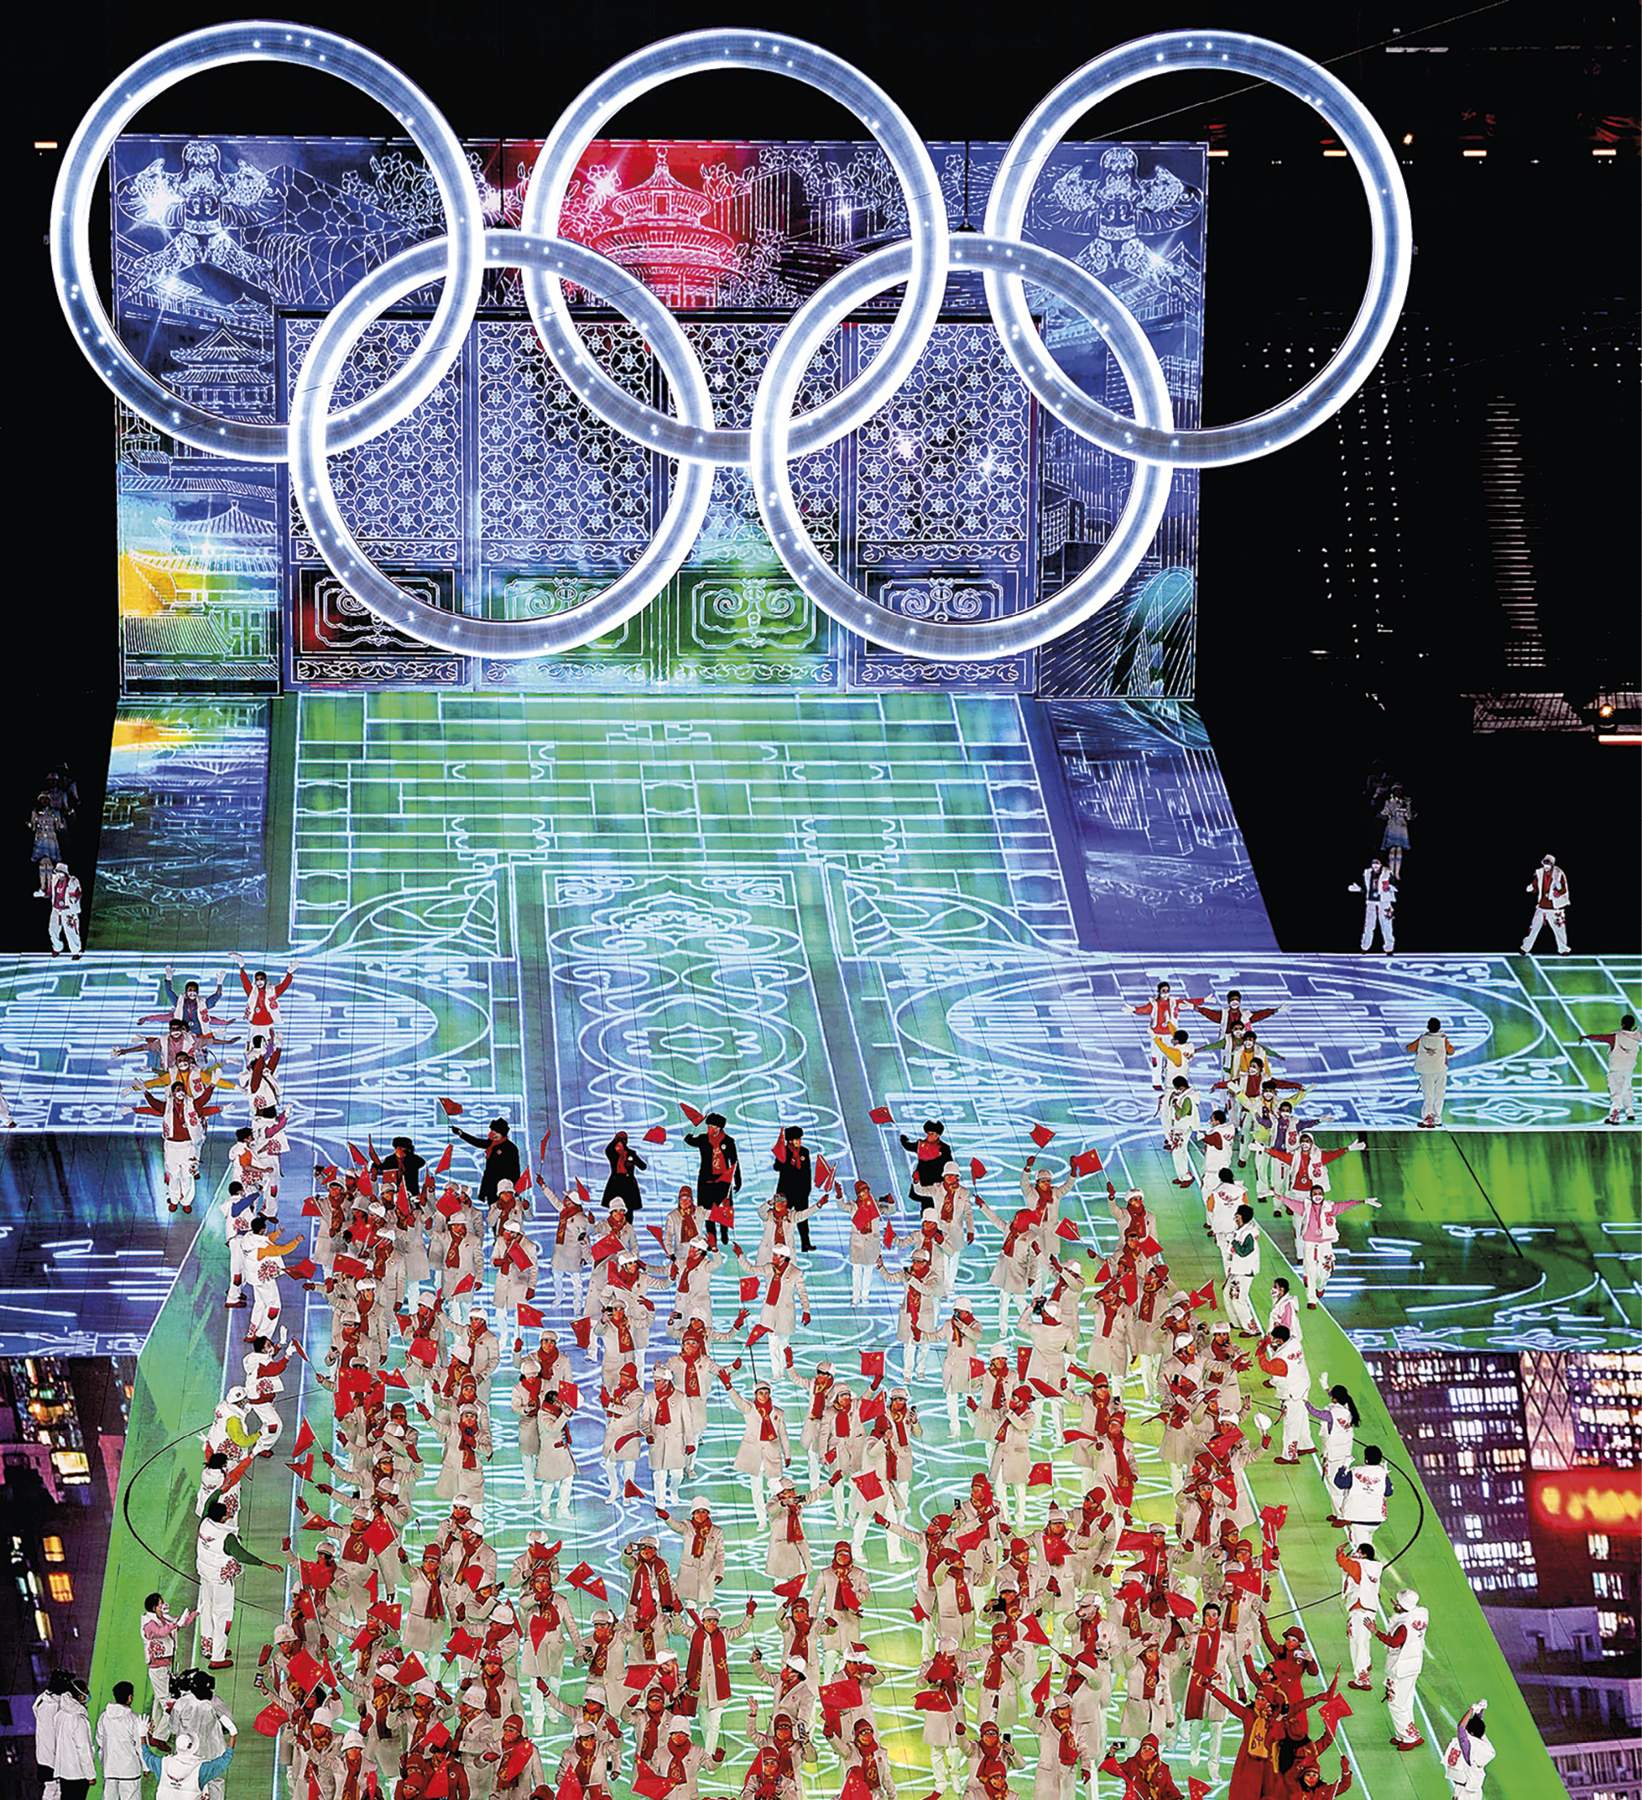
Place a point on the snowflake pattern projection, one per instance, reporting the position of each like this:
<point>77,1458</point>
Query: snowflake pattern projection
<point>400,493</point>
<point>942,469</point>
<point>734,357</point>
<point>557,484</point>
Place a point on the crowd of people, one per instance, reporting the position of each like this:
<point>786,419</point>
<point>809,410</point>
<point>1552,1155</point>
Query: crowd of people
<point>456,1335</point>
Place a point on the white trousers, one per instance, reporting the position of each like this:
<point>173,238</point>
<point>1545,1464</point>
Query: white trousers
<point>1400,1700</point>
<point>1620,1099</point>
<point>182,1167</point>
<point>1433,1088</point>
<point>1317,1263</point>
<point>1358,1643</point>
<point>64,925</point>
<point>1557,919</point>
<point>1378,913</point>
<point>216,1616</point>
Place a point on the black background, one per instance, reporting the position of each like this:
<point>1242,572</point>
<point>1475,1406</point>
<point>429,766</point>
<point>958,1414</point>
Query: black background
<point>1522,255</point>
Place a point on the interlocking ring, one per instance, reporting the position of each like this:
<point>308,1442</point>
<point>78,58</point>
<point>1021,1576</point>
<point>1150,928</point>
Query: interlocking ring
<point>263,40</point>
<point>1151,440</point>
<point>1392,253</point>
<point>838,80</point>
<point>312,421</point>
<point>1121,553</point>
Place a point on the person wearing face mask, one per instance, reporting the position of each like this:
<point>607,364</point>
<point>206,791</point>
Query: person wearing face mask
<point>1549,888</point>
<point>868,1774</point>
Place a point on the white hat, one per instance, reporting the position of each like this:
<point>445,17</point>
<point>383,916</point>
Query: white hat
<point>595,1689</point>
<point>461,1353</point>
<point>798,1663</point>
<point>1407,1600</point>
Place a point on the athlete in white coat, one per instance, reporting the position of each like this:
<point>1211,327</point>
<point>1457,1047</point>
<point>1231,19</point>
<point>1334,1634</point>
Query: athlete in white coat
<point>1549,888</point>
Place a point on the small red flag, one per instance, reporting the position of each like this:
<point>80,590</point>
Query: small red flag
<point>541,1148</point>
<point>1041,1134</point>
<point>824,1174</point>
<point>749,1288</point>
<point>387,1612</point>
<point>464,1286</point>
<point>1040,1688</point>
<point>1197,1788</point>
<point>423,1350</point>
<point>872,1408</point>
<point>453,1108</point>
<point>632,1491</point>
<point>394,1378</point>
<point>582,1193</point>
<point>349,1266</point>
<point>317,1575</point>
<point>872,1366</point>
<point>448,1204</point>
<point>881,1115</point>
<point>1066,1229</point>
<point>304,1437</point>
<point>306,1670</point>
<point>304,1270</point>
<point>757,1332</point>
<point>868,1485</point>
<point>1332,1709</point>
<point>609,1245</point>
<point>379,1535</point>
<point>977,1169</point>
<point>530,1317</point>
<point>268,1721</point>
<point>1040,1475</point>
<point>1203,1296</point>
<point>1087,1162</point>
<point>842,1696</point>
<point>657,1134</point>
<point>722,1216</point>
<point>656,1232</point>
<point>690,1113</point>
<point>357,1154</point>
<point>889,1237</point>
<point>1023,1355</point>
<point>570,1396</point>
<point>976,1368</point>
<point>582,1331</point>
<point>651,1786</point>
<point>789,1590</point>
<point>1032,1631</point>
<point>444,1160</point>
<point>1181,1607</point>
<point>310,1210</point>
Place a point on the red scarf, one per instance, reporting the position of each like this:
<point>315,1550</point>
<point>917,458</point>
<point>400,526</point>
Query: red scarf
<point>698,1539</point>
<point>692,1377</point>
<point>841,1421</point>
<point>843,1593</point>
<point>567,1214</point>
<point>453,1256</point>
<point>433,1607</point>
<point>959,1574</point>
<point>795,1522</point>
<point>664,1413</point>
<point>766,1428</point>
<point>713,1642</point>
<point>913,1302</point>
<point>818,1396</point>
<point>467,1435</point>
<point>650,1742</point>
<point>652,1590</point>
<point>942,1676</point>
<point>772,1294</point>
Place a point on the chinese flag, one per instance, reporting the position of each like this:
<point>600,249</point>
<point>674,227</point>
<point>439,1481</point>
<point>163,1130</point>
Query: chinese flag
<point>1181,1607</point>
<point>881,1115</point>
<point>722,1216</point>
<point>1040,1689</point>
<point>530,1317</point>
<point>868,1486</point>
<point>388,1613</point>
<point>519,1256</point>
<point>305,1671</point>
<point>977,1169</point>
<point>570,1396</point>
<point>690,1113</point>
<point>865,1217</point>
<point>1041,1475</point>
<point>302,1467</point>
<point>464,1286</point>
<point>855,1787</point>
<point>1245,1579</point>
<point>269,1720</point>
<point>651,1786</point>
<point>304,1270</point>
<point>1041,1134</point>
<point>757,1332</point>
<point>872,1408</point>
<point>842,1696</point>
<point>1196,1788</point>
<point>424,1351</point>
<point>632,1491</point>
<point>582,1193</point>
<point>317,1575</point>
<point>976,1368</point>
<point>582,1331</point>
<point>443,1163</point>
<point>461,1643</point>
<point>1149,1246</point>
<point>823,1174</point>
<point>357,1154</point>
<point>1332,1709</point>
<point>448,1205</point>
<point>789,1590</point>
<point>394,1378</point>
<point>749,1289</point>
<point>657,1134</point>
<point>569,1787</point>
<point>971,1539</point>
<point>1023,1355</point>
<point>872,1365</point>
<point>889,1237</point>
<point>1066,1229</point>
<point>304,1437</point>
<point>656,1232</point>
<point>1203,1296</point>
<point>538,1630</point>
<point>609,1245</point>
<point>541,1148</point>
<point>349,1266</point>
<point>379,1535</point>
<point>1086,1162</point>
<point>1274,1518</point>
<point>1033,1632</point>
<point>310,1210</point>
<point>453,1109</point>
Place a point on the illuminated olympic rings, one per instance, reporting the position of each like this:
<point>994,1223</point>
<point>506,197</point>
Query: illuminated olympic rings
<point>922,261</point>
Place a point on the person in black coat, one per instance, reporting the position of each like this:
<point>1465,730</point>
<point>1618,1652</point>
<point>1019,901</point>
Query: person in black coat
<point>719,1176</point>
<point>933,1153</point>
<point>793,1181</point>
<point>402,1165</point>
<point>501,1158</point>
<point>622,1189</point>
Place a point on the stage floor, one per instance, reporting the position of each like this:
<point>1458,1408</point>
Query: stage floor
<point>583,914</point>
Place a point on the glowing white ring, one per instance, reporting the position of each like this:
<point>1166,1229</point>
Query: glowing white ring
<point>838,80</point>
<point>1119,556</point>
<point>1392,240</point>
<point>262,40</point>
<point>311,420</point>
